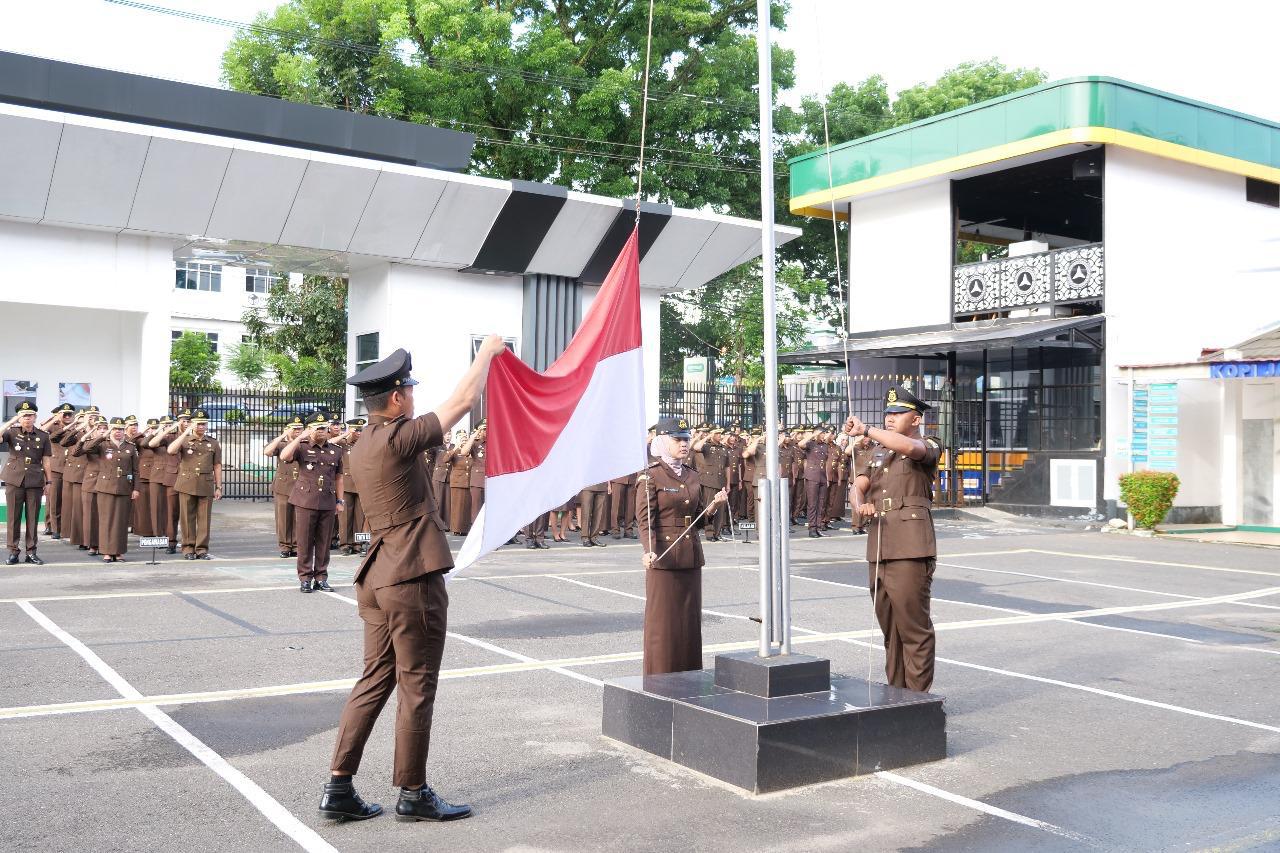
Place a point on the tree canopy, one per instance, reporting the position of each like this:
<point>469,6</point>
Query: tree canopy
<point>193,361</point>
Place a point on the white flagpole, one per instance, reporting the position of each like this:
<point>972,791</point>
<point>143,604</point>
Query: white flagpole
<point>768,569</point>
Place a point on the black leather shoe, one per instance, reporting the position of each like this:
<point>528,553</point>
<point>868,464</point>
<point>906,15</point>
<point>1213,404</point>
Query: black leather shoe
<point>321,586</point>
<point>347,551</point>
<point>202,557</point>
<point>587,543</point>
<point>32,558</point>
<point>188,556</point>
<point>339,801</point>
<point>425,804</point>
<point>13,559</point>
<point>531,544</point>
<point>82,547</point>
<point>814,534</point>
<point>306,586</point>
<point>172,549</point>
<point>284,553</point>
<point>54,536</point>
<point>542,544</point>
<point>599,544</point>
<point>617,534</point>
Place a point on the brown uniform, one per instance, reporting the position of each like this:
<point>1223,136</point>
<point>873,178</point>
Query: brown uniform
<point>351,513</point>
<point>902,540</point>
<point>712,463</point>
<point>753,469</point>
<point>622,506</point>
<point>837,483</point>
<point>666,504</point>
<point>23,477</point>
<point>141,512</point>
<point>799,495</point>
<point>737,476</point>
<point>281,487</point>
<point>72,478</point>
<point>594,501</point>
<point>314,501</point>
<point>113,490</point>
<point>441,461</point>
<point>89,519</point>
<point>53,488</point>
<point>815,480</point>
<point>401,593</point>
<point>164,495</point>
<point>195,488</point>
<point>786,462</point>
<point>477,475</point>
<point>459,491</point>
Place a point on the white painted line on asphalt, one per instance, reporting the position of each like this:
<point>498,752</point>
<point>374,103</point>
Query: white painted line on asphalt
<point>986,808</point>
<point>1121,559</point>
<point>487,646</point>
<point>284,820</point>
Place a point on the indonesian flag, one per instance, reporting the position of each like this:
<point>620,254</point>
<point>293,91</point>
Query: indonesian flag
<point>582,422</point>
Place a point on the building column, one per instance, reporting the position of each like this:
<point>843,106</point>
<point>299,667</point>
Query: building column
<point>1232,449</point>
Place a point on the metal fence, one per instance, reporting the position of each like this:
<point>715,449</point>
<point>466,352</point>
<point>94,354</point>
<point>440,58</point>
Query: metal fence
<point>244,420</point>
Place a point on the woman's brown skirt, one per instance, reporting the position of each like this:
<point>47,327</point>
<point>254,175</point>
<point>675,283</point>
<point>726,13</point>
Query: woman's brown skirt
<point>459,509</point>
<point>672,620</point>
<point>113,523</point>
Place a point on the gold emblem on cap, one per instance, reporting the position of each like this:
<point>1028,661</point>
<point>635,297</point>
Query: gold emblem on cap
<point>893,395</point>
<point>683,425</point>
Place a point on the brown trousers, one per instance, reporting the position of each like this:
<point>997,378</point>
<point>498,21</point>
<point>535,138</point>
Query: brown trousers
<point>440,491</point>
<point>142,510</point>
<point>799,498</point>
<point>158,505</point>
<point>22,502</point>
<point>197,513</point>
<point>901,599</point>
<point>404,631</point>
<point>315,530</point>
<point>113,523</point>
<point>595,513</point>
<point>816,501</point>
<point>53,503</point>
<point>174,521</point>
<point>350,519</point>
<point>477,502</point>
<point>70,530</point>
<point>836,494</point>
<point>537,529</point>
<point>713,522</point>
<point>459,509</point>
<point>622,508</point>
<point>88,518</point>
<point>672,620</point>
<point>286,533</point>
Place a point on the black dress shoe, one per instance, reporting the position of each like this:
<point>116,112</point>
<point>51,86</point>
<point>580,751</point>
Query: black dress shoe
<point>814,534</point>
<point>587,543</point>
<point>321,586</point>
<point>172,549</point>
<point>82,547</point>
<point>617,534</point>
<point>425,804</point>
<point>339,801</point>
<point>32,558</point>
<point>55,537</point>
<point>347,551</point>
<point>202,557</point>
<point>305,586</point>
<point>284,553</point>
<point>13,559</point>
<point>531,544</point>
<point>188,556</point>
<point>542,544</point>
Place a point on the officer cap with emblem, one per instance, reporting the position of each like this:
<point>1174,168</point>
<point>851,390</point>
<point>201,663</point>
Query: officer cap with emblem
<point>296,423</point>
<point>899,399</point>
<point>356,423</point>
<point>118,423</point>
<point>64,409</point>
<point>653,427</point>
<point>387,375</point>
<point>674,427</point>
<point>318,419</point>
<point>197,416</point>
<point>715,428</point>
<point>26,407</point>
<point>185,413</point>
<point>92,409</point>
<point>165,420</point>
<point>757,430</point>
<point>153,422</point>
<point>130,419</point>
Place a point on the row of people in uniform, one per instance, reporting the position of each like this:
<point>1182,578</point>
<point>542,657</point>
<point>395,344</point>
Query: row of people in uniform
<point>101,478</point>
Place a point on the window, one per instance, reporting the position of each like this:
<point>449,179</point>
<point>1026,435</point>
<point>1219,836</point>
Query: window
<point>366,355</point>
<point>259,280</point>
<point>1262,192</point>
<point>212,337</point>
<point>197,276</point>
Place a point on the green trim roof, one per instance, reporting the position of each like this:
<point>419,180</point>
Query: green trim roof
<point>1076,102</point>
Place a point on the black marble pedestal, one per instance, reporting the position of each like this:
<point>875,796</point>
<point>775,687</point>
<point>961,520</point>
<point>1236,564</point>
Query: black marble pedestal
<point>765,743</point>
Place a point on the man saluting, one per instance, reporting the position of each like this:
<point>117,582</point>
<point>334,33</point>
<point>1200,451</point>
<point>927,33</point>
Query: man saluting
<point>400,585</point>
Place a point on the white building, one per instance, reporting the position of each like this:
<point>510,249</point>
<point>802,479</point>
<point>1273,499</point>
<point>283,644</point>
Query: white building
<point>1143,229</point>
<point>108,180</point>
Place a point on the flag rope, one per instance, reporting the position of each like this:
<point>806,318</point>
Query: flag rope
<point>644,113</point>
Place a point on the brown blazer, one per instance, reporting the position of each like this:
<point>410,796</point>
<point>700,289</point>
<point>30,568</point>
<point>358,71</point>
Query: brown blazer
<point>25,466</point>
<point>117,466</point>
<point>195,466</point>
<point>286,472</point>
<point>146,458</point>
<point>477,466</point>
<point>673,503</point>
<point>459,469</point>
<point>902,491</point>
<point>73,462</point>
<point>319,466</point>
<point>58,455</point>
<point>815,461</point>
<point>712,461</point>
<point>89,481</point>
<point>397,500</point>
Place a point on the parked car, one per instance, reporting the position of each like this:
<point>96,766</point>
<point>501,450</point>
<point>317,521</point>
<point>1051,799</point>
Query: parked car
<point>224,413</point>
<point>287,411</point>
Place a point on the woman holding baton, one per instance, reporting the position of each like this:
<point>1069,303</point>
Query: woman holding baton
<point>669,507</point>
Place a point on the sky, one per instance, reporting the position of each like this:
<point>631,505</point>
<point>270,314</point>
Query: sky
<point>1221,52</point>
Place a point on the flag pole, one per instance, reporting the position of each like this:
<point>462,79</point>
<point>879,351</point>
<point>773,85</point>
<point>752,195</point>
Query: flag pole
<point>771,569</point>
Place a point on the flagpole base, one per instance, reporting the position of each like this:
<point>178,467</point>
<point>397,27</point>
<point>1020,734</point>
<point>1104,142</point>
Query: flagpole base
<point>759,724</point>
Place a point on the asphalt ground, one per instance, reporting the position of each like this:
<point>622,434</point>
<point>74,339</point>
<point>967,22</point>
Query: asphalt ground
<point>1102,692</point>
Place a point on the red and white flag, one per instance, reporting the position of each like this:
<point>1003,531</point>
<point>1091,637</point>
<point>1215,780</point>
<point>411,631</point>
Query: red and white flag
<point>581,422</point>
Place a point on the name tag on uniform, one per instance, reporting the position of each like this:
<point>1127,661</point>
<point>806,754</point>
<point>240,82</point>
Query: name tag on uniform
<point>110,455</point>
<point>669,489</point>
<point>189,450</point>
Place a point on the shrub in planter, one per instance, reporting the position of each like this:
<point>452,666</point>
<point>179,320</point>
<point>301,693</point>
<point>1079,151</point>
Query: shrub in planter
<point>1149,495</point>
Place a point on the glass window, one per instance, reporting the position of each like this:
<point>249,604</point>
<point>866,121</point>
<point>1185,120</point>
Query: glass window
<point>259,280</point>
<point>191,275</point>
<point>212,337</point>
<point>366,355</point>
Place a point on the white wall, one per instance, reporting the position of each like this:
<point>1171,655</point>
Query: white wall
<point>87,306</point>
<point>1181,242</point>
<point>900,251</point>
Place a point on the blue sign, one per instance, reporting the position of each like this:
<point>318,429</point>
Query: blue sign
<point>1243,369</point>
<point>1154,425</point>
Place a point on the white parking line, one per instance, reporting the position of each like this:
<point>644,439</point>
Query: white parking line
<point>303,835</point>
<point>1120,559</point>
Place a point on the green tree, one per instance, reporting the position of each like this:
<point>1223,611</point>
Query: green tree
<point>303,321</point>
<point>248,363</point>
<point>192,361</point>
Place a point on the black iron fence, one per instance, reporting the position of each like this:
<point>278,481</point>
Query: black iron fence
<point>244,420</point>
